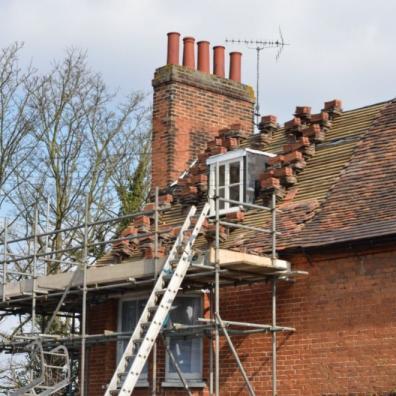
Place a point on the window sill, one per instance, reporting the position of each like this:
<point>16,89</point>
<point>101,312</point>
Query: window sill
<point>179,384</point>
<point>142,384</point>
<point>223,212</point>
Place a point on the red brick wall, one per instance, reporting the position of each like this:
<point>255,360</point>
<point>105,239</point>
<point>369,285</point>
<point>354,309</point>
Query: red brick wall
<point>101,358</point>
<point>189,108</point>
<point>345,316</point>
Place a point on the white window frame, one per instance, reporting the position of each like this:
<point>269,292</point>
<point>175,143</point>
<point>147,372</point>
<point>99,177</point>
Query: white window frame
<point>143,381</point>
<point>173,379</point>
<point>225,160</point>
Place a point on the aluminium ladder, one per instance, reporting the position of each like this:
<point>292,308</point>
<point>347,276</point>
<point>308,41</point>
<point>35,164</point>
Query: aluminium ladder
<point>156,311</point>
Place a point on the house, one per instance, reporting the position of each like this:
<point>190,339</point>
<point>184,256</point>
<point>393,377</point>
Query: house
<point>333,176</point>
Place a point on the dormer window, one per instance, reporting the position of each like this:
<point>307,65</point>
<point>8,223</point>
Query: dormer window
<point>237,173</point>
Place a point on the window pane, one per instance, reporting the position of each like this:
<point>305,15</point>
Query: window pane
<point>234,193</point>
<point>234,172</point>
<point>256,164</point>
<point>185,310</point>
<point>222,195</point>
<point>128,315</point>
<point>221,175</point>
<point>131,311</point>
<point>187,352</point>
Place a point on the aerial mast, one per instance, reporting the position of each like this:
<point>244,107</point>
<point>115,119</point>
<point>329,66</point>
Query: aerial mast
<point>260,45</point>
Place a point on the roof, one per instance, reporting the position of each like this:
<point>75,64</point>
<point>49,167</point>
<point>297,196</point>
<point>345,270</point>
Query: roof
<point>361,202</point>
<point>334,175</point>
<point>347,190</point>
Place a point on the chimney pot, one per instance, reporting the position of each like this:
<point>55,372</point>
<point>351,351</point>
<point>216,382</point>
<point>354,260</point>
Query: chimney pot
<point>203,56</point>
<point>188,52</point>
<point>173,48</point>
<point>218,61</point>
<point>235,66</point>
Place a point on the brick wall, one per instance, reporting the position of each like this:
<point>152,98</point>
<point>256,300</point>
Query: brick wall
<point>345,343</point>
<point>101,358</point>
<point>345,316</point>
<point>189,108</point>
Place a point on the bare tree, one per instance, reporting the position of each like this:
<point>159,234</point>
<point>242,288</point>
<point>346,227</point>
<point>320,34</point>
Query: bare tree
<point>15,116</point>
<point>87,149</point>
<point>72,144</point>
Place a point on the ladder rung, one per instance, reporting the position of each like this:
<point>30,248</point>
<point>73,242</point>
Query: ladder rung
<point>153,308</point>
<point>180,249</point>
<point>54,367</point>
<point>145,325</point>
<point>162,291</point>
<point>54,354</point>
<point>129,358</point>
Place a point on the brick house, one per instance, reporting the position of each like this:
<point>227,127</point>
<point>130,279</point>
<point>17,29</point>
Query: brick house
<point>333,173</point>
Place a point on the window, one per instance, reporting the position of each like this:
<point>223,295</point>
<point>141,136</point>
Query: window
<point>186,350</point>
<point>129,315</point>
<point>238,172</point>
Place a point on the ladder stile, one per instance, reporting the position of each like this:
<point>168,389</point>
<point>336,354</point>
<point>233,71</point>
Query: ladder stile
<point>148,328</point>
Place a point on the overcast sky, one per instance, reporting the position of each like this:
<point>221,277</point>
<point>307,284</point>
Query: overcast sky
<point>339,48</point>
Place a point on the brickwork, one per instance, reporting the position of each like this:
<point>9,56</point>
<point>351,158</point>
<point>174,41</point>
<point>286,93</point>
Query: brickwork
<point>189,109</point>
<point>345,316</point>
<point>345,343</point>
<point>101,358</point>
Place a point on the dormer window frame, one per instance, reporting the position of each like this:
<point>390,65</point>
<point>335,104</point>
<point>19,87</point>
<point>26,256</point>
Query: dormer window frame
<point>228,187</point>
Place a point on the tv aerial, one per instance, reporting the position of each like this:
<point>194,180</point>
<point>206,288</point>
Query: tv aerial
<point>260,45</point>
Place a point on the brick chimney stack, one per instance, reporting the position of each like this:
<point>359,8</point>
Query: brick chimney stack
<point>191,106</point>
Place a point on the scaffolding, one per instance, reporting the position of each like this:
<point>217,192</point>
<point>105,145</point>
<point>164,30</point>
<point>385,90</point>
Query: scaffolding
<point>70,301</point>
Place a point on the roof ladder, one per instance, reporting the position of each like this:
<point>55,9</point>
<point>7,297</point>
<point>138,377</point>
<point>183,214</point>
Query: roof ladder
<point>54,369</point>
<point>156,312</point>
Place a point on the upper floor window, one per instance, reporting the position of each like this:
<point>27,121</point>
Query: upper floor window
<point>234,176</point>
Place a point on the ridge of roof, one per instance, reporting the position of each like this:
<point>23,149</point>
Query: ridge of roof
<point>383,102</point>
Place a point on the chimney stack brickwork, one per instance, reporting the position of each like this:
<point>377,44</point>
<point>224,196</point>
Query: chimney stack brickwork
<point>189,108</point>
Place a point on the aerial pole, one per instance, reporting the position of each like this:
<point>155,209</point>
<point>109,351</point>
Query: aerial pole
<point>258,46</point>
